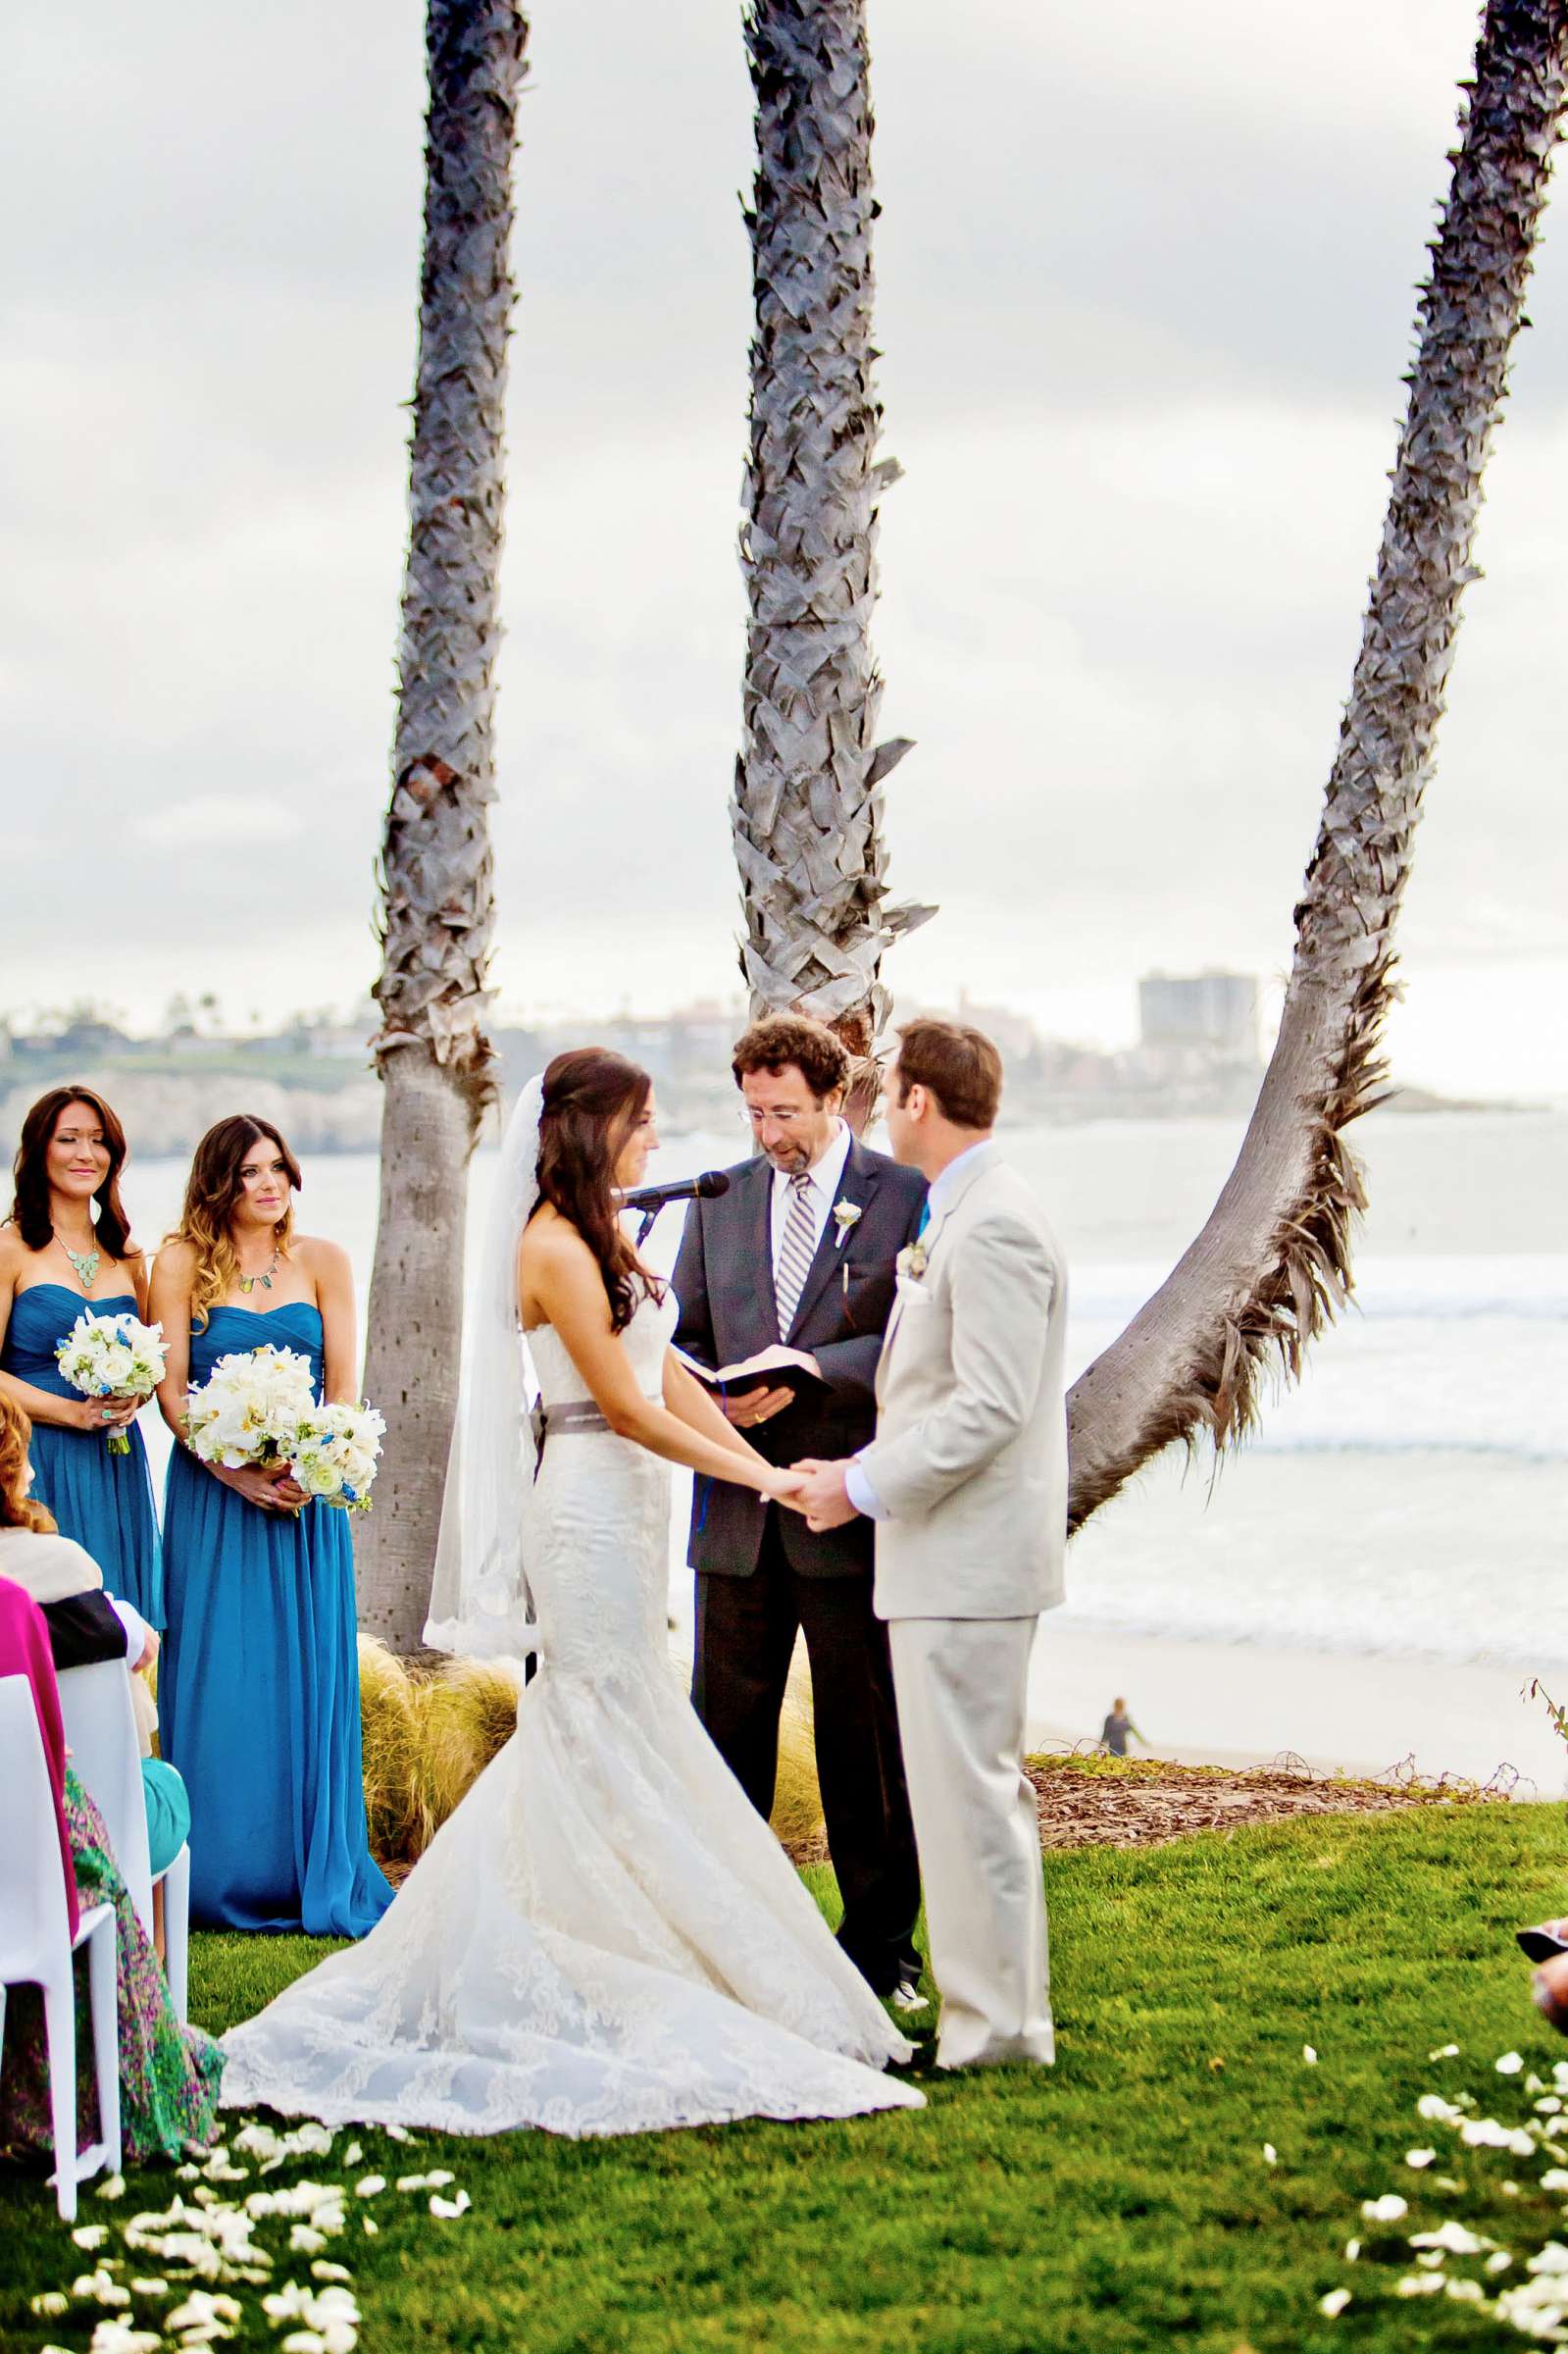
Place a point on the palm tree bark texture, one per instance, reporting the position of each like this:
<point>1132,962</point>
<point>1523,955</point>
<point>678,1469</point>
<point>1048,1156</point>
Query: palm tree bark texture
<point>436,900</point>
<point>807,813</point>
<point>1273,1263</point>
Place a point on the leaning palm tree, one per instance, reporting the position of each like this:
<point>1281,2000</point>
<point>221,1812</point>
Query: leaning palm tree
<point>807,814</point>
<point>436,901</point>
<point>1272,1264</point>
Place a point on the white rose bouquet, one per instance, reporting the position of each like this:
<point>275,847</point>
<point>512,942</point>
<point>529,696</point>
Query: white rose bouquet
<point>255,1407</point>
<point>336,1460</point>
<point>113,1357</point>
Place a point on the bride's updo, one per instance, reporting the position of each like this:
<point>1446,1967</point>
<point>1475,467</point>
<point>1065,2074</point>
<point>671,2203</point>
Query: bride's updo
<point>593,1099</point>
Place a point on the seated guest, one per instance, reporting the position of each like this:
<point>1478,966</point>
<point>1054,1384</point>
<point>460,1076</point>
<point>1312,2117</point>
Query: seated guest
<point>168,2073</point>
<point>86,1624</point>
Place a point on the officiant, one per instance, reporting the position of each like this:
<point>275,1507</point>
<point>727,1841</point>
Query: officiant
<point>799,1257</point>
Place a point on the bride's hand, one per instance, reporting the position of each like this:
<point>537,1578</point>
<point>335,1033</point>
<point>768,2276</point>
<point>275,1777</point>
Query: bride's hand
<point>784,1487</point>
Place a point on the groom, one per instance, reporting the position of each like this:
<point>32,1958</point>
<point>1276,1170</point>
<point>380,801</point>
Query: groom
<point>967,1482</point>
<point>800,1251</point>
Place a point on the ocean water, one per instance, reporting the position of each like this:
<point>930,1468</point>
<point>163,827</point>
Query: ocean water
<point>1410,1497</point>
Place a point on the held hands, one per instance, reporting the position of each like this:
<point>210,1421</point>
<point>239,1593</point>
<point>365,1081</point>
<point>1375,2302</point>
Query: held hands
<point>822,1493</point>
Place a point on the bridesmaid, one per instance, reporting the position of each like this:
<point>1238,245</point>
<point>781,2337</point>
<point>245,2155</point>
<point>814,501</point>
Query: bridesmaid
<point>54,1265</point>
<point>258,1685</point>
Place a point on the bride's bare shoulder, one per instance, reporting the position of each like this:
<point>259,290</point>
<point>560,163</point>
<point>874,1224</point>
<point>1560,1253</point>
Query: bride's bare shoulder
<point>551,1249</point>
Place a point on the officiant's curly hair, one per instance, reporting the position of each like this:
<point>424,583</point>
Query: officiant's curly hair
<point>212,1190</point>
<point>29,1206</point>
<point>593,1099</point>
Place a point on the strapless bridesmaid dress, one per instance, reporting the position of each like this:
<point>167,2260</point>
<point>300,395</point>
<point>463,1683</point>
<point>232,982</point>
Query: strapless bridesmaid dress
<point>258,1683</point>
<point>104,1501</point>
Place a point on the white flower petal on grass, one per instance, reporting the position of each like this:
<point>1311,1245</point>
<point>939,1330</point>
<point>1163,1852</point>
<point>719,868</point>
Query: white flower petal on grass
<point>446,2209</point>
<point>49,2301</point>
<point>321,2269</point>
<point>1445,2182</point>
<point>113,2186</point>
<point>1510,2190</point>
<point>398,2132</point>
<point>432,2181</point>
<point>368,2226</point>
<point>1485,2134</point>
<point>1445,2051</point>
<point>1468,2292</point>
<point>1335,2303</point>
<point>1430,2259</point>
<point>1509,2065</point>
<point>353,2154</point>
<point>368,2184</point>
<point>101,2285</point>
<point>304,2342</point>
<point>90,2235</point>
<point>119,2338</point>
<point>1310,2059</point>
<point>1553,2257</point>
<point>304,2240</point>
<point>1549,2106</point>
<point>1387,2210</point>
<point>1271,2156</point>
<point>1353,2249</point>
<point>1456,2238</point>
<point>1419,2284</point>
<point>1419,2158</point>
<point>1437,2111</point>
<point>149,2286</point>
<point>1499,2263</point>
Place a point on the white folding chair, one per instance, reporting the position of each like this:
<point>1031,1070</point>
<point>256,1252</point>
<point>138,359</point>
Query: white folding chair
<point>101,1734</point>
<point>36,1946</point>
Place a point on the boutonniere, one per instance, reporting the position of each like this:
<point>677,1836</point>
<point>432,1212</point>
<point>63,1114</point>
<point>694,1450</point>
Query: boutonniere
<point>912,1261</point>
<point>845,1215</point>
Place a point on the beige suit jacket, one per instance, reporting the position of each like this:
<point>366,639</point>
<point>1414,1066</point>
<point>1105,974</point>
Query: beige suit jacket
<point>970,1458</point>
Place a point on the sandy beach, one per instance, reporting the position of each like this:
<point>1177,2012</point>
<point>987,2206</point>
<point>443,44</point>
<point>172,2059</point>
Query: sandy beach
<point>1234,1704</point>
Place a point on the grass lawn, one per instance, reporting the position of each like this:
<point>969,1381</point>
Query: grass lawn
<point>1122,2201</point>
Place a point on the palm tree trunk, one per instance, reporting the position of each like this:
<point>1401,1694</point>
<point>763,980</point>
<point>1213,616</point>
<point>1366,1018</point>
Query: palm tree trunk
<point>807,814</point>
<point>1273,1263</point>
<point>436,895</point>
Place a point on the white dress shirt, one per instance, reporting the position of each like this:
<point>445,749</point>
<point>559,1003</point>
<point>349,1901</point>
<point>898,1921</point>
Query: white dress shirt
<point>826,1178</point>
<point>857,1486</point>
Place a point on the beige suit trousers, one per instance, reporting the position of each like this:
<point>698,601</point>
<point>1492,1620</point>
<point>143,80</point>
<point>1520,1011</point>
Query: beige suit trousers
<point>961,1685</point>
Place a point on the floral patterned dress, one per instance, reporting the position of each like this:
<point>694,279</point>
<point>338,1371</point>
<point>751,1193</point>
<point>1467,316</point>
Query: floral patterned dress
<point>168,2074</point>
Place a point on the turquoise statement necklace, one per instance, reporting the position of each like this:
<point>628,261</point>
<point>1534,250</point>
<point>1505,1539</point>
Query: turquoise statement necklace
<point>86,1263</point>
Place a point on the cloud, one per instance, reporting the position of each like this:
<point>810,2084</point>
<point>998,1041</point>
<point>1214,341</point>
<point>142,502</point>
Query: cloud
<point>1145,294</point>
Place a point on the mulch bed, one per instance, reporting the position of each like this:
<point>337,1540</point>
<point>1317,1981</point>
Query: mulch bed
<point>1088,1800</point>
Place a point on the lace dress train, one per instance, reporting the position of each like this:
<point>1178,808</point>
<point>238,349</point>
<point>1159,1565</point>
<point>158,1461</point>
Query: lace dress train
<point>604,1938</point>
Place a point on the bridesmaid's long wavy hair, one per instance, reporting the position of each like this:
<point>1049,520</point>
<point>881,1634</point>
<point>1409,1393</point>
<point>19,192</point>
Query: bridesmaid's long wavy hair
<point>211,1192</point>
<point>593,1099</point>
<point>17,1507</point>
<point>29,1206</point>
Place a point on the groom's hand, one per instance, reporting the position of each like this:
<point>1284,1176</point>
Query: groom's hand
<point>822,1496</point>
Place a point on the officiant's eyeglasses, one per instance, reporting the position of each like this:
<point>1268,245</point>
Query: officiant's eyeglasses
<point>780,1119</point>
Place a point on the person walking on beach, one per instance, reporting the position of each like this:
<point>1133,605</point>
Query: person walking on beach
<point>1117,1728</point>
<point>967,1482</point>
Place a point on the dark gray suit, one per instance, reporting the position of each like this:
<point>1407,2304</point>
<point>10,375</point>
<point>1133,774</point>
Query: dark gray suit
<point>762,1574</point>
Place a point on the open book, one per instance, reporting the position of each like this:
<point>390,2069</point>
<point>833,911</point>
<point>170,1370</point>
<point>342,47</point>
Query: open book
<point>776,1364</point>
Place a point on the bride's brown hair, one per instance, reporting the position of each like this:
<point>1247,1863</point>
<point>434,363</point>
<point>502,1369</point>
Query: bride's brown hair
<point>211,1192</point>
<point>593,1099</point>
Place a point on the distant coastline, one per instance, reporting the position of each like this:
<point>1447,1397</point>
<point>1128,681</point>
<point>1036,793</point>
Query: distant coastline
<point>321,1091</point>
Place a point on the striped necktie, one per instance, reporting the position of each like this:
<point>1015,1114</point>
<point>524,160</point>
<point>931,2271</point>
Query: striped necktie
<point>796,1250</point>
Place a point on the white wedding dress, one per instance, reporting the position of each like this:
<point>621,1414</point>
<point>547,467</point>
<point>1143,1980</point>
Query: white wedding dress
<point>605,1937</point>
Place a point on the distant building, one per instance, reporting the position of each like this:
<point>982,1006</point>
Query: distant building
<point>1213,1015</point>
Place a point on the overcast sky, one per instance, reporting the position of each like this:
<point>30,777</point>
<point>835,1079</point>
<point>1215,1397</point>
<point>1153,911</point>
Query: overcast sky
<point>1146,293</point>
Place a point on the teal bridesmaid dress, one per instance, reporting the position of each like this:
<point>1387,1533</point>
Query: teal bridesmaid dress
<point>101,1499</point>
<point>258,1683</point>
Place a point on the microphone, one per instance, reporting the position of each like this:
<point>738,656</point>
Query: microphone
<point>705,1187</point>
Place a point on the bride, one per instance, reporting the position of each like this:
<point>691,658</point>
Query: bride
<point>604,1937</point>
